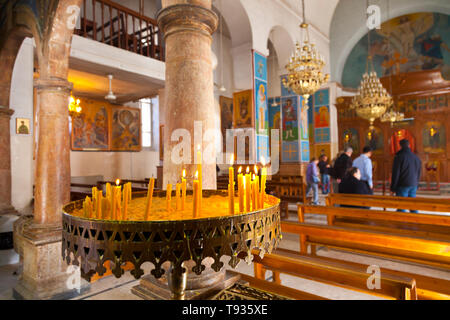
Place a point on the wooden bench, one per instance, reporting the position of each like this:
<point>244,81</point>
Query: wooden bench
<point>81,190</point>
<point>335,273</point>
<point>290,189</point>
<point>419,203</point>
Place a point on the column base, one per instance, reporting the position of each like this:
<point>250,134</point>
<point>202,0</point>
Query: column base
<point>45,274</point>
<point>150,288</point>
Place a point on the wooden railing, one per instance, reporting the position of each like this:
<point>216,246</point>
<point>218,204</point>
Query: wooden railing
<point>111,23</point>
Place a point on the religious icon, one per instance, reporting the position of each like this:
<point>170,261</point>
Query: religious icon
<point>226,115</point>
<point>290,125</point>
<point>22,126</point>
<point>321,117</point>
<point>374,139</point>
<point>351,139</point>
<point>126,129</point>
<point>433,136</point>
<point>261,106</point>
<point>242,109</point>
<point>399,135</point>
<point>304,119</point>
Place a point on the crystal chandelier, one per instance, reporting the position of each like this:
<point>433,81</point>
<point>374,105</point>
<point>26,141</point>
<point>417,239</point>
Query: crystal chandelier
<point>304,68</point>
<point>372,100</point>
<point>74,106</point>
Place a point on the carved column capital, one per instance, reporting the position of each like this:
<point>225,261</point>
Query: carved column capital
<point>187,17</point>
<point>6,112</point>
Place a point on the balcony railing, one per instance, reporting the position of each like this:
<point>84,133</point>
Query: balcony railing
<point>110,23</point>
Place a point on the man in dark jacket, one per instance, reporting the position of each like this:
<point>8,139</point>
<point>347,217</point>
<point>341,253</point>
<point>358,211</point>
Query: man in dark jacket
<point>352,184</point>
<point>341,165</point>
<point>406,172</point>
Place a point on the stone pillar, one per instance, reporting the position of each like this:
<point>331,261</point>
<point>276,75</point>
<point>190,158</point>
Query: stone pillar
<point>52,189</point>
<point>5,161</point>
<point>38,239</point>
<point>189,89</point>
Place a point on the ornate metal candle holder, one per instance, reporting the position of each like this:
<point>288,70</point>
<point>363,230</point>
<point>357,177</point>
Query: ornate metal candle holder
<point>89,243</point>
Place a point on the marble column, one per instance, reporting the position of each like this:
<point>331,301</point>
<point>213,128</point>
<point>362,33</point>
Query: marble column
<point>189,89</point>
<point>52,189</point>
<point>5,160</point>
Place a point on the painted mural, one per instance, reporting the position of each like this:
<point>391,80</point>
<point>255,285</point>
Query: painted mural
<point>413,42</point>
<point>433,137</point>
<point>126,129</point>
<point>274,113</point>
<point>289,118</point>
<point>351,139</point>
<point>290,151</point>
<point>90,128</point>
<point>374,139</point>
<point>262,117</point>
<point>304,133</point>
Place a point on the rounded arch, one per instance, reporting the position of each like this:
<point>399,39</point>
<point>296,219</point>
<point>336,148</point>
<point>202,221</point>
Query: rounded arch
<point>283,44</point>
<point>237,21</point>
<point>348,27</point>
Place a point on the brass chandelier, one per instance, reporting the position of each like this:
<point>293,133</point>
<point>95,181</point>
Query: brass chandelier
<point>372,99</point>
<point>304,68</point>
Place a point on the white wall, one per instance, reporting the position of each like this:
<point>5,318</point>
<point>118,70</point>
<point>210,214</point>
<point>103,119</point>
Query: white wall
<point>21,101</point>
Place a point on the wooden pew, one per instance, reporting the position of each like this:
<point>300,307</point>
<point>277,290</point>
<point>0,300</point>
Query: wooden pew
<point>290,189</point>
<point>335,273</point>
<point>80,194</point>
<point>432,226</point>
<point>419,203</point>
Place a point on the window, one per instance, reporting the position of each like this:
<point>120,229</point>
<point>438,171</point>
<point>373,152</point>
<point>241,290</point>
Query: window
<point>146,115</point>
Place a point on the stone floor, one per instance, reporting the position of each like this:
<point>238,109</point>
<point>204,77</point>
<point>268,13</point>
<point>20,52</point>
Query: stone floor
<point>111,288</point>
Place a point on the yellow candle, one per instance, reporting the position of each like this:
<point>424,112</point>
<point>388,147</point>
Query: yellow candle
<point>257,196</point>
<point>119,203</point>
<point>241,190</point>
<point>94,198</point>
<point>254,193</point>
<point>114,199</point>
<point>106,209</point>
<point>231,185</point>
<point>263,182</point>
<point>248,190</point>
<point>148,205</point>
<point>200,177</point>
<point>169,196</point>
<point>177,195</point>
<point>183,190</point>
<point>196,197</point>
<point>99,204</point>
<point>230,200</point>
<point>126,197</point>
<point>109,193</point>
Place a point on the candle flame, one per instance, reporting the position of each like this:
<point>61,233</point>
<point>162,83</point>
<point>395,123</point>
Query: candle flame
<point>184,173</point>
<point>198,147</point>
<point>256,169</point>
<point>263,161</point>
<point>117,182</point>
<point>232,159</point>
<point>254,177</point>
<point>248,170</point>
<point>240,169</point>
<point>196,174</point>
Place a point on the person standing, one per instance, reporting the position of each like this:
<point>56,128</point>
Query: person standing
<point>312,180</point>
<point>406,172</point>
<point>353,184</point>
<point>364,164</point>
<point>341,165</point>
<point>324,168</point>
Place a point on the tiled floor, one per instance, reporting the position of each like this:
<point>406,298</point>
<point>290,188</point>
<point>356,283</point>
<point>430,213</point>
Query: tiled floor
<point>111,288</point>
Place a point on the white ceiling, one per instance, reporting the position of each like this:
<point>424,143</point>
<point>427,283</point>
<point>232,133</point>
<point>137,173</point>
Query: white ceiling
<point>90,81</point>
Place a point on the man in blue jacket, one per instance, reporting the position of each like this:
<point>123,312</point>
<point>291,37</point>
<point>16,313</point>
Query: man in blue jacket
<point>406,172</point>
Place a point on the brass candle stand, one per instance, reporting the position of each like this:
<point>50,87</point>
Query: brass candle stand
<point>89,243</point>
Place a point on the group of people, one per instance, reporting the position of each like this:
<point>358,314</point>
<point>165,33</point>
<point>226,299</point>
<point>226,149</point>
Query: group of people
<point>355,176</point>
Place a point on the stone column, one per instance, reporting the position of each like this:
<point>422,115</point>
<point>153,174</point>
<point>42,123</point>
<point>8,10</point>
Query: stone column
<point>5,161</point>
<point>52,189</point>
<point>189,89</point>
<point>38,239</point>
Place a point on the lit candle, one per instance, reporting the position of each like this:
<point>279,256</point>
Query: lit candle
<point>263,181</point>
<point>196,196</point>
<point>256,190</point>
<point>148,206</point>
<point>109,197</point>
<point>169,196</point>
<point>126,191</point>
<point>114,195</point>
<point>231,186</point>
<point>254,196</point>
<point>99,204</point>
<point>241,190</point>
<point>119,202</point>
<point>200,177</point>
<point>183,190</point>
<point>248,190</point>
<point>177,195</point>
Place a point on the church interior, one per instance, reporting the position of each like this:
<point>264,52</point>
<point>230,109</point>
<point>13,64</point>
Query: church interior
<point>167,149</point>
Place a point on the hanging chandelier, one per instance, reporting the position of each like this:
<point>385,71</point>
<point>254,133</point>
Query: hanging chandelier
<point>391,115</point>
<point>304,68</point>
<point>74,106</point>
<point>372,99</point>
